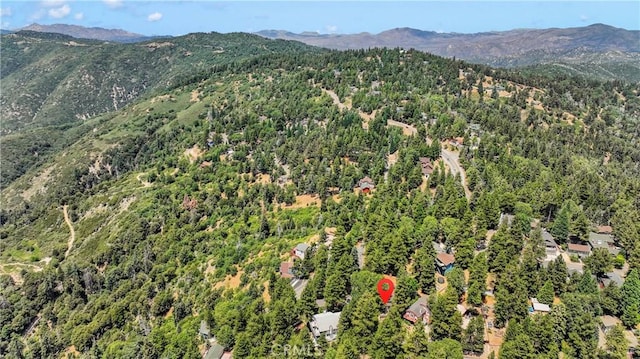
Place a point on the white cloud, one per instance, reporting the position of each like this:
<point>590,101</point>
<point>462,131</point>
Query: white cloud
<point>331,29</point>
<point>155,16</point>
<point>37,15</point>
<point>584,18</point>
<point>5,11</point>
<point>52,3</point>
<point>113,3</point>
<point>78,16</point>
<point>60,12</point>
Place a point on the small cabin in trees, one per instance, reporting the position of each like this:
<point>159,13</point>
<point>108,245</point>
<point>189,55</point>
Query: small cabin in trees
<point>603,240</point>
<point>325,324</point>
<point>550,245</point>
<point>426,165</point>
<point>444,262</point>
<point>300,250</point>
<point>537,307</point>
<point>581,250</point>
<point>611,277</point>
<point>418,311</point>
<point>203,331</point>
<point>286,270</point>
<point>366,185</point>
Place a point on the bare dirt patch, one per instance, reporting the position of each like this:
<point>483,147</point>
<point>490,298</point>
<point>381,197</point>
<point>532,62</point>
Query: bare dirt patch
<point>141,180</point>
<point>230,282</point>
<point>195,96</point>
<point>38,183</point>
<point>193,153</point>
<point>302,201</point>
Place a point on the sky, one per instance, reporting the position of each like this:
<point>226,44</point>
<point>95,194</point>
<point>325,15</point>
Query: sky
<point>182,17</point>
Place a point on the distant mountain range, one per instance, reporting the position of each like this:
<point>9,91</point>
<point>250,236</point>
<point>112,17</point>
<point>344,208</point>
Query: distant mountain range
<point>596,51</point>
<point>95,33</point>
<point>479,46</point>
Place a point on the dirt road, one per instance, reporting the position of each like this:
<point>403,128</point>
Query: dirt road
<point>72,237</point>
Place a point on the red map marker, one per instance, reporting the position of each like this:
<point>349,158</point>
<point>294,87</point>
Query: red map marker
<point>385,289</point>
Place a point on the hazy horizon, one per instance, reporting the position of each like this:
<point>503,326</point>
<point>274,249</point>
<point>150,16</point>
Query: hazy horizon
<point>175,18</point>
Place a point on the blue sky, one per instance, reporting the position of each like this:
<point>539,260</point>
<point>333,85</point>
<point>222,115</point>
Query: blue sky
<point>181,17</point>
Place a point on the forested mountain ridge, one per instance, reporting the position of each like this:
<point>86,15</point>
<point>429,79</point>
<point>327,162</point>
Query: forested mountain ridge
<point>82,32</point>
<point>51,82</point>
<point>184,204</point>
<point>596,51</point>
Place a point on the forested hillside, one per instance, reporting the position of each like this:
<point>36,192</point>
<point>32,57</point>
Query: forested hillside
<point>178,215</point>
<point>51,82</point>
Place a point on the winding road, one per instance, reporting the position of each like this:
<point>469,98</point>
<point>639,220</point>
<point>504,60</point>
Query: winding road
<point>72,237</point>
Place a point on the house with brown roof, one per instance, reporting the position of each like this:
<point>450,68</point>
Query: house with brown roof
<point>418,311</point>
<point>604,229</point>
<point>366,185</point>
<point>444,262</point>
<point>286,270</point>
<point>426,165</point>
<point>581,250</point>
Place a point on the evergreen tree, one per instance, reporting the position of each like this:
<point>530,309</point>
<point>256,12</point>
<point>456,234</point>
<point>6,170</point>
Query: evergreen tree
<point>364,320</point>
<point>611,299</point>
<point>631,299</point>
<point>617,344</point>
<point>455,280</point>
<point>473,336</point>
<point>477,279</point>
<point>417,342</point>
<point>446,320</point>
<point>445,349</point>
<point>405,292</point>
<point>545,294</point>
<point>558,273</point>
<point>599,262</point>
<point>560,228</point>
<point>521,347</point>
<point>389,337</point>
<point>425,268</point>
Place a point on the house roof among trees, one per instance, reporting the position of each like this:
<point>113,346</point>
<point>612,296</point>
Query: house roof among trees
<point>575,247</point>
<point>445,258</point>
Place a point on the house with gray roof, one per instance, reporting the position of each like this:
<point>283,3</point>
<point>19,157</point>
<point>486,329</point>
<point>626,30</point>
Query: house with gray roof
<point>603,240</point>
<point>611,277</point>
<point>325,324</point>
<point>418,311</point>
<point>550,245</point>
<point>300,250</point>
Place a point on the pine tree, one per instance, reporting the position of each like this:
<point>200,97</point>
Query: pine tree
<point>388,339</point>
<point>560,228</point>
<point>545,294</point>
<point>631,299</point>
<point>455,280</point>
<point>425,268</point>
<point>617,344</point>
<point>445,349</point>
<point>477,279</point>
<point>417,342</point>
<point>364,319</point>
<point>473,336</point>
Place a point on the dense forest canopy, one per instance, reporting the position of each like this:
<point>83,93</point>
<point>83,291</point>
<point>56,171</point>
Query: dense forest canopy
<point>176,213</point>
